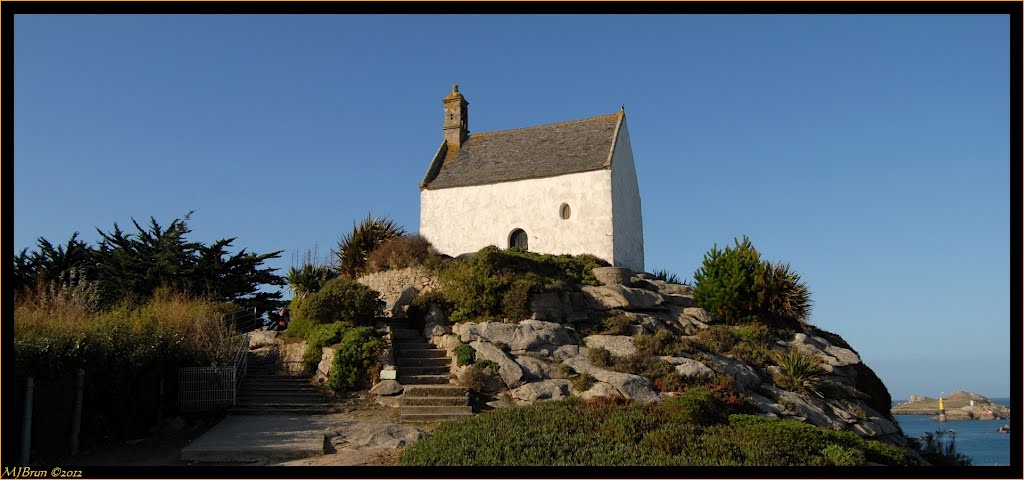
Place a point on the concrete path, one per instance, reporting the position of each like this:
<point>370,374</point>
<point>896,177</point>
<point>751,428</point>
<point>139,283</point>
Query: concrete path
<point>263,439</point>
<point>254,438</point>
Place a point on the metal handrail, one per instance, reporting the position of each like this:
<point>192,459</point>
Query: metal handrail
<point>240,366</point>
<point>242,322</point>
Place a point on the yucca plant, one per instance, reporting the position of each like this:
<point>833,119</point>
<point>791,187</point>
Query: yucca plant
<point>667,276</point>
<point>309,278</point>
<point>782,296</point>
<point>800,372</point>
<point>356,246</point>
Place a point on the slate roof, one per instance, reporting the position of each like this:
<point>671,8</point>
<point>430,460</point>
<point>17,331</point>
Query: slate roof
<point>524,153</point>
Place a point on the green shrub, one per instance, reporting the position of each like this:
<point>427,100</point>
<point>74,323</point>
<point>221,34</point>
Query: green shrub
<point>300,325</point>
<point>686,430</point>
<point>343,300</point>
<point>783,298</point>
<point>357,353</point>
<point>737,287</point>
<point>485,364</point>
<point>842,456</point>
<point>355,247</point>
<point>464,355</point>
<point>318,337</point>
<point>399,252</point>
<point>696,405</point>
<point>800,372</point>
<point>497,283</point>
<point>725,281</point>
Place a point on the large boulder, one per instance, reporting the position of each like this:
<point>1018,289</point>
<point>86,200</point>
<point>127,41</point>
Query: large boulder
<point>817,346</point>
<point>536,369</point>
<point>387,387</point>
<point>600,389</point>
<point>558,307</point>
<point>522,336</point>
<point>632,387</point>
<point>541,391</point>
<point>681,300</point>
<point>746,377</point>
<point>262,338</point>
<point>607,297</point>
<point>509,371</point>
<point>698,314</point>
<point>291,354</point>
<point>691,368</point>
<point>618,345</point>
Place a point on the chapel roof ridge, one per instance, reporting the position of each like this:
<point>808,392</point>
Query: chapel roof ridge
<point>580,120</point>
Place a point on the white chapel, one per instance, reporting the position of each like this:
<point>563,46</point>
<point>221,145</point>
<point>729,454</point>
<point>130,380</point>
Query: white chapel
<point>566,187</point>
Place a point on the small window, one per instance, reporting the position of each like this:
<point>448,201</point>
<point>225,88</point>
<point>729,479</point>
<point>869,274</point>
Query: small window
<point>517,239</point>
<point>565,211</point>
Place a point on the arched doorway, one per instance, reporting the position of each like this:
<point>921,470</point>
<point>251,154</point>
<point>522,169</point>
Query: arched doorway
<point>518,239</point>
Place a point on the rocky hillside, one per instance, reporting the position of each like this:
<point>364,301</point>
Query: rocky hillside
<point>959,405</point>
<point>645,340</point>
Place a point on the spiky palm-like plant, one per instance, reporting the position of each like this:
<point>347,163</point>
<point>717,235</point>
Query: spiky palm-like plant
<point>667,277</point>
<point>800,372</point>
<point>365,236</point>
<point>309,278</point>
<point>782,296</point>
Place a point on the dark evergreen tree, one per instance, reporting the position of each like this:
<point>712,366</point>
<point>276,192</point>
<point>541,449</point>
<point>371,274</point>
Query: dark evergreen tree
<point>133,265</point>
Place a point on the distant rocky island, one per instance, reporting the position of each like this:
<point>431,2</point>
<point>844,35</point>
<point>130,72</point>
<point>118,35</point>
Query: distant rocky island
<point>959,405</point>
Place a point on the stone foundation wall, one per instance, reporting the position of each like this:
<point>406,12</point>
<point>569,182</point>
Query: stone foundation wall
<point>398,287</point>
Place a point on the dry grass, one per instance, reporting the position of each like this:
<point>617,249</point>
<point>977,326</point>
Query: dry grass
<point>60,326</point>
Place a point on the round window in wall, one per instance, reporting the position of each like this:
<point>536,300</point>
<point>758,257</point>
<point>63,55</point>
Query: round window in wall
<point>565,211</point>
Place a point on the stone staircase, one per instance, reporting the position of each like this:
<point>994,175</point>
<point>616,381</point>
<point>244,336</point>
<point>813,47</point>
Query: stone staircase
<point>423,371</point>
<point>264,393</point>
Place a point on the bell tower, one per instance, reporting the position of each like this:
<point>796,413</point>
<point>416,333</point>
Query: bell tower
<point>456,118</point>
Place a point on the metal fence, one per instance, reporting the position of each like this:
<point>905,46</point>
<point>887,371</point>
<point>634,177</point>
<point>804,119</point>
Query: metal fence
<point>243,320</point>
<point>213,388</point>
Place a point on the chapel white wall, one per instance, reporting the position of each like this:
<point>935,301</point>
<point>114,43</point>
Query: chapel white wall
<point>628,241</point>
<point>465,219</point>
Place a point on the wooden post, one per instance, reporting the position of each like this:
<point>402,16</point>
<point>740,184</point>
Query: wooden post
<point>26,424</point>
<point>76,418</point>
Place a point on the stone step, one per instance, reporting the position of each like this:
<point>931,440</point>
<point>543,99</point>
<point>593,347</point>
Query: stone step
<point>427,409</point>
<point>256,377</point>
<point>433,417</point>
<point>421,353</point>
<point>317,396</point>
<point>403,333</point>
<point>424,362</point>
<point>424,379</point>
<point>305,387</point>
<point>434,391</point>
<point>412,344</point>
<point>435,401</point>
<point>429,370</point>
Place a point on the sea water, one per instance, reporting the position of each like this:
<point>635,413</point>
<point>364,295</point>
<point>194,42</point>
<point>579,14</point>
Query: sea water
<point>978,439</point>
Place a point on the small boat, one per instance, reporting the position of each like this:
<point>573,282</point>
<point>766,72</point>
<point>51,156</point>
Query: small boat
<point>1004,428</point>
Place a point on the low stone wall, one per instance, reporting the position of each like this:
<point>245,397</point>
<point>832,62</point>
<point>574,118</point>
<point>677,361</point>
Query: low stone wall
<point>398,287</point>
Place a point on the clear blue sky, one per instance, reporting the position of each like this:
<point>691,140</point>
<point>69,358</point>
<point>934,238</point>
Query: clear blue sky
<point>870,152</point>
